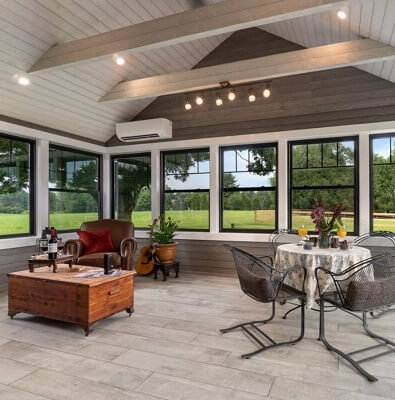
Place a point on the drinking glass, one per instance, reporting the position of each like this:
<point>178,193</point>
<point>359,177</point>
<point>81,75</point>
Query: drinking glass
<point>302,231</point>
<point>342,232</point>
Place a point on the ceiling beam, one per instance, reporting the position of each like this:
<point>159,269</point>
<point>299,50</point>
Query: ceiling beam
<point>214,19</point>
<point>257,69</point>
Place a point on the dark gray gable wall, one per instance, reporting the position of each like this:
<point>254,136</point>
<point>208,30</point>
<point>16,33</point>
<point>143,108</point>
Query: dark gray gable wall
<point>320,99</point>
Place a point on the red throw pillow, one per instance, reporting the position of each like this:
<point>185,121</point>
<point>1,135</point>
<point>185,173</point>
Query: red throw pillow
<point>96,242</point>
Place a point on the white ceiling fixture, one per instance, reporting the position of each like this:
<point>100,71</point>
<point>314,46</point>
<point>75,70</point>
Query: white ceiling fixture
<point>119,60</point>
<point>23,81</point>
<point>319,58</point>
<point>210,20</point>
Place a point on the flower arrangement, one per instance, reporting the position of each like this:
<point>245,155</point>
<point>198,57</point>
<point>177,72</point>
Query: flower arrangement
<point>323,221</point>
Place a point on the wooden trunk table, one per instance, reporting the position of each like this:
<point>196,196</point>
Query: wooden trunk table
<point>44,260</point>
<point>81,301</point>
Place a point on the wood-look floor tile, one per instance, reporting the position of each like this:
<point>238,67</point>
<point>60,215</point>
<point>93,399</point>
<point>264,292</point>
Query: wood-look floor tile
<point>55,385</point>
<point>211,374</point>
<point>172,388</point>
<point>167,348</point>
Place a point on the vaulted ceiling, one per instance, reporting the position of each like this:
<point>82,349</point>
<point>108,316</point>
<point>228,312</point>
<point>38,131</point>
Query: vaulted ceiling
<point>66,99</point>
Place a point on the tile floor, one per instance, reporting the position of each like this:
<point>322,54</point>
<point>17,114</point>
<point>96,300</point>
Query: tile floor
<point>171,349</point>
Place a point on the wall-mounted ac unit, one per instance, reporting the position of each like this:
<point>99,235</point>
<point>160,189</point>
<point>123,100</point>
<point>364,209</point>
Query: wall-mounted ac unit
<point>148,129</point>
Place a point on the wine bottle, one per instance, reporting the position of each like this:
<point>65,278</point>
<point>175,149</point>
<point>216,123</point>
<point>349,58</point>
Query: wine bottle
<point>52,246</point>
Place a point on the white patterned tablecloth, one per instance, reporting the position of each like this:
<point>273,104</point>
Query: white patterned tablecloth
<point>336,260</point>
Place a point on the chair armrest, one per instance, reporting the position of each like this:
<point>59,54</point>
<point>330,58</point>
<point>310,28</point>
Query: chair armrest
<point>74,247</point>
<point>127,250</point>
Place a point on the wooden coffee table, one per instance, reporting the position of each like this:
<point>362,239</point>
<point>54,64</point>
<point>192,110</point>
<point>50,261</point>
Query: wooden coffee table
<point>61,296</point>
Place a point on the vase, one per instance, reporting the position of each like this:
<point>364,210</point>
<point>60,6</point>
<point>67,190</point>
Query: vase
<point>166,252</point>
<point>324,240</point>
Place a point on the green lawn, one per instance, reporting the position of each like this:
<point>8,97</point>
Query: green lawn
<point>19,223</point>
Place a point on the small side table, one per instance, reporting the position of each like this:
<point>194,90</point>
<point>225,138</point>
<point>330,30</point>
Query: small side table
<point>50,263</point>
<point>165,268</point>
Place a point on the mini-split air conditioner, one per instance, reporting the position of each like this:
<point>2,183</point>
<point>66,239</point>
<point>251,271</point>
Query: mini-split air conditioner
<point>148,129</point>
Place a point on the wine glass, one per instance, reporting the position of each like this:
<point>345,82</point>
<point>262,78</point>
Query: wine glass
<point>342,232</point>
<point>60,247</point>
<point>302,231</point>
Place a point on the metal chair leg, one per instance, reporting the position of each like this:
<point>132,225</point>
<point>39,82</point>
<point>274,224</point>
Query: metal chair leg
<point>251,322</point>
<point>298,339</point>
<point>372,334</point>
<point>289,311</point>
<point>323,339</point>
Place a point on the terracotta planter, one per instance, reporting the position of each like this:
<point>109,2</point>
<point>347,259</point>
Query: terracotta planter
<point>166,252</point>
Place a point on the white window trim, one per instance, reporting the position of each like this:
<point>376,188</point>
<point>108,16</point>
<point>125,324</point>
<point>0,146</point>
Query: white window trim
<point>44,139</point>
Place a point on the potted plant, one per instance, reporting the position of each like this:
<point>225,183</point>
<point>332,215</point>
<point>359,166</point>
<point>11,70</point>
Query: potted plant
<point>163,234</point>
<point>325,222</point>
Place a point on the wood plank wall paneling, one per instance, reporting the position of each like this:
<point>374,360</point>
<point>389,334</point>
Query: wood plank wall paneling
<point>13,260</point>
<point>196,256</point>
<point>209,257</point>
<point>327,98</point>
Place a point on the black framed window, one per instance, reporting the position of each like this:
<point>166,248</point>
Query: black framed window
<point>323,170</point>
<point>74,187</point>
<point>382,182</point>
<point>185,188</point>
<point>131,193</point>
<point>249,188</point>
<point>16,186</point>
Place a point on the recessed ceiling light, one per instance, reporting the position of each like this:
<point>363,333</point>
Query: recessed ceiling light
<point>22,80</point>
<point>341,14</point>
<point>120,60</point>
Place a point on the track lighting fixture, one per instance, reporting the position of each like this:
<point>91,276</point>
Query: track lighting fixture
<point>188,104</point>
<point>341,14</point>
<point>232,95</point>
<point>267,92</point>
<point>199,99</point>
<point>251,95</point>
<point>218,100</point>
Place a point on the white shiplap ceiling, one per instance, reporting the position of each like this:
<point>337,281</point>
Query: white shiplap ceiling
<point>374,19</point>
<point>67,99</point>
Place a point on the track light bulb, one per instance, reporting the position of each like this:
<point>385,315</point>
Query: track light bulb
<point>218,100</point>
<point>266,92</point>
<point>341,14</point>
<point>188,104</point>
<point>199,100</point>
<point>251,95</point>
<point>232,95</point>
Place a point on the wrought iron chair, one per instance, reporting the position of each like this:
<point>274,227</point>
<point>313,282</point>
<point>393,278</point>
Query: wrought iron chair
<point>283,236</point>
<point>277,238</point>
<point>263,283</point>
<point>363,287</point>
<point>378,243</point>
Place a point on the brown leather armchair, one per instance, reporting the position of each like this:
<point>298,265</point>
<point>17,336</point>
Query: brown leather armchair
<point>122,235</point>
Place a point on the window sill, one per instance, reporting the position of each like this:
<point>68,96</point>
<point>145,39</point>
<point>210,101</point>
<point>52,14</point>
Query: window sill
<point>27,241</point>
